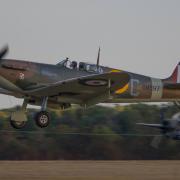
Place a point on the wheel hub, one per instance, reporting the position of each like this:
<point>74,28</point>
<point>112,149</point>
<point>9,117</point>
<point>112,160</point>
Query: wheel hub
<point>43,119</point>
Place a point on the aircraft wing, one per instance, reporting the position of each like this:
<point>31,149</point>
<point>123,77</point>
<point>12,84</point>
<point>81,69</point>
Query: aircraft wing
<point>84,88</point>
<point>158,126</point>
<point>6,92</point>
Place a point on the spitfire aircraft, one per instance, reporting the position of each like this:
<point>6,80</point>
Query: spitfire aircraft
<point>169,128</point>
<point>69,82</point>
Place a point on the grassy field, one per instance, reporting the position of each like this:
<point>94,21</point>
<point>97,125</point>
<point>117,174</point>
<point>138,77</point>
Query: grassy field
<point>87,170</point>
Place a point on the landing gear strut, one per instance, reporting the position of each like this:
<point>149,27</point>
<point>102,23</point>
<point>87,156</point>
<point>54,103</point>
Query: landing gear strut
<point>18,119</point>
<point>42,118</point>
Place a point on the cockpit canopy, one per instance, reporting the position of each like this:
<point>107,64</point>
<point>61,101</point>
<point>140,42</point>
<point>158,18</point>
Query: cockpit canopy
<point>81,67</point>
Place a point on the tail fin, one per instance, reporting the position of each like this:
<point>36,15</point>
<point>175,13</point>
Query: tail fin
<point>175,77</point>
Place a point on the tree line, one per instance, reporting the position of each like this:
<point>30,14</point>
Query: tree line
<point>97,133</point>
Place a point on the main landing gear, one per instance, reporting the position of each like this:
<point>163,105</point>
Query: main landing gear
<point>19,119</point>
<point>42,118</point>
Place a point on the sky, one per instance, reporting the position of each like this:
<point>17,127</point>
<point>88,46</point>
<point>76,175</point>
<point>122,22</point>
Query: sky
<point>141,36</point>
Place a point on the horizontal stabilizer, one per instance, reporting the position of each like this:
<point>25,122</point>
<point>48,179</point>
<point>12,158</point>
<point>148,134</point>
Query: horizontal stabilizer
<point>172,86</point>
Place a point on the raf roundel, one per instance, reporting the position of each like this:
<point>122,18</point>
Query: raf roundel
<point>21,76</point>
<point>94,82</point>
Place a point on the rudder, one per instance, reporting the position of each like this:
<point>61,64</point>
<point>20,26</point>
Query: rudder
<point>175,77</point>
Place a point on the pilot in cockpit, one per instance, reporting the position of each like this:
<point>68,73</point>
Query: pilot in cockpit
<point>73,65</point>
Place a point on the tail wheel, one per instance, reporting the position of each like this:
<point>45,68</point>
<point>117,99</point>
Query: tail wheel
<point>17,124</point>
<point>42,119</point>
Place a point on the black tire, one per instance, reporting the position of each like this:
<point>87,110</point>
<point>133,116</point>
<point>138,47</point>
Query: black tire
<point>42,119</point>
<point>17,124</point>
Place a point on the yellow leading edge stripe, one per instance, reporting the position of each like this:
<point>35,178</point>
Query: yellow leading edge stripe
<point>123,89</point>
<point>115,70</point>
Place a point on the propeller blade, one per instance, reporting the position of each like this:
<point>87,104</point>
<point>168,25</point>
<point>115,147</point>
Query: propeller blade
<point>98,57</point>
<point>156,141</point>
<point>3,51</point>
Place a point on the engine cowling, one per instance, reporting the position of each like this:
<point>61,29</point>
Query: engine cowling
<point>173,127</point>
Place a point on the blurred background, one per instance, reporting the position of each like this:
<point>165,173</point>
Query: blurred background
<point>99,133</point>
<point>140,36</point>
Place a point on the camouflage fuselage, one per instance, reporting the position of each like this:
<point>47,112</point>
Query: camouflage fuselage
<point>129,87</point>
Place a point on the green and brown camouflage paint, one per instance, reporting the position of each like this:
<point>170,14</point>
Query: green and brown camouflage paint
<point>123,87</point>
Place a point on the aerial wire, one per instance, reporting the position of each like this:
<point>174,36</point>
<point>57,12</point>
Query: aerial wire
<point>80,133</point>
